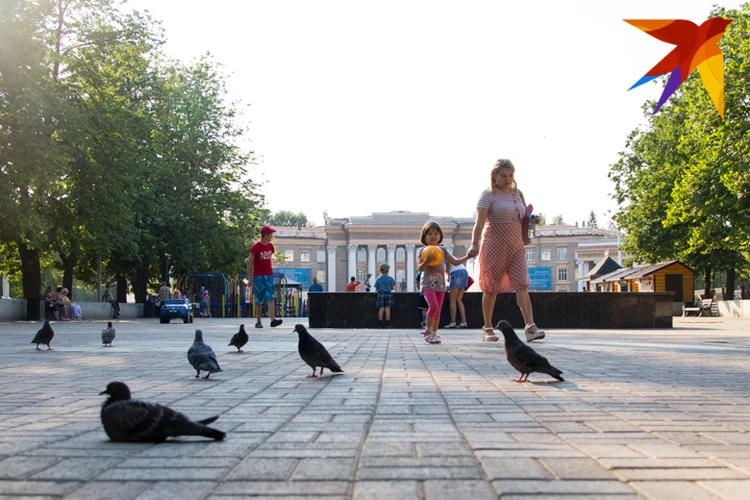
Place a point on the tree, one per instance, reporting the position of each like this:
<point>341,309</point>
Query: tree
<point>108,150</point>
<point>558,220</point>
<point>592,220</point>
<point>682,183</point>
<point>285,218</point>
<point>540,219</point>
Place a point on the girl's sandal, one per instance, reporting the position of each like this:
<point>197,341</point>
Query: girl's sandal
<point>489,334</point>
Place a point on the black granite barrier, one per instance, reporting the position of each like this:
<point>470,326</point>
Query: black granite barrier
<point>598,310</point>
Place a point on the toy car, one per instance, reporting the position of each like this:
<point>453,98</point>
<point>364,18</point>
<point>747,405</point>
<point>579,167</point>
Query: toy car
<point>176,308</point>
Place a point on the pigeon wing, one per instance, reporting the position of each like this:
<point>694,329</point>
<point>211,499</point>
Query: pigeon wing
<point>525,359</point>
<point>203,358</point>
<point>326,360</point>
<point>132,421</point>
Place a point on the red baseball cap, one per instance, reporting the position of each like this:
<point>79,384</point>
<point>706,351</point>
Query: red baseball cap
<point>266,230</point>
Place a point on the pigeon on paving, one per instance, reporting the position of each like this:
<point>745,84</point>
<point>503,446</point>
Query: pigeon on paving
<point>108,335</point>
<point>128,420</point>
<point>239,339</point>
<point>44,336</point>
<point>313,353</point>
<point>522,357</point>
<point>202,357</point>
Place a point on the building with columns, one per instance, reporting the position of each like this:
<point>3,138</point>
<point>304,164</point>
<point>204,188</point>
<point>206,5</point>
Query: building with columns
<point>357,245</point>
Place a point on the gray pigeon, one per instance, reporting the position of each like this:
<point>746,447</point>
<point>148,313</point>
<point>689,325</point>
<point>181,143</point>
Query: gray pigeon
<point>128,420</point>
<point>239,339</point>
<point>202,357</point>
<point>313,353</point>
<point>108,335</point>
<point>44,336</point>
<point>522,357</point>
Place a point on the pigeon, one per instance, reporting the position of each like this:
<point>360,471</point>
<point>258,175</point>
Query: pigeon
<point>522,357</point>
<point>202,357</point>
<point>239,339</point>
<point>313,353</point>
<point>44,336</point>
<point>128,420</point>
<point>108,335</point>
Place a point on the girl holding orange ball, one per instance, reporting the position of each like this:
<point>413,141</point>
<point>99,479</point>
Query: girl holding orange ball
<point>431,263</point>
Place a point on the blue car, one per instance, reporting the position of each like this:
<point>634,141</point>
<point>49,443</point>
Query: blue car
<point>176,308</point>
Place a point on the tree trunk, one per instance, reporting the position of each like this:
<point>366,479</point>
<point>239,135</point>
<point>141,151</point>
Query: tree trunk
<point>69,264</point>
<point>32,280</point>
<point>122,289</point>
<point>31,271</point>
<point>140,284</point>
<point>707,288</point>
<point>164,267</point>
<point>730,285</point>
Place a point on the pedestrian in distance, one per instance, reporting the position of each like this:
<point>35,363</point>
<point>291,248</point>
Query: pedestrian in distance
<point>260,276</point>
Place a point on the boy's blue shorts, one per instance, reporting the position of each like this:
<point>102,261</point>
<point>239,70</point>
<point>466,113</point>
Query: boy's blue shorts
<point>262,289</point>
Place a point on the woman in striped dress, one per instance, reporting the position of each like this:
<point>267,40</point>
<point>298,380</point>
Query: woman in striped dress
<point>502,257</point>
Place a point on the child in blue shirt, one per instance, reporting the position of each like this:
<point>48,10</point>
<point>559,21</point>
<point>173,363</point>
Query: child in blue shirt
<point>384,301</point>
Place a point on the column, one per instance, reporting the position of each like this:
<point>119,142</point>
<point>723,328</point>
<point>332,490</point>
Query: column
<point>391,258</point>
<point>410,274</point>
<point>371,249</point>
<point>331,277</point>
<point>352,262</point>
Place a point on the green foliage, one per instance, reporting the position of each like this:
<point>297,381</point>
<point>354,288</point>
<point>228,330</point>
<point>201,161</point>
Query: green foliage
<point>558,220</point>
<point>592,220</point>
<point>108,150</point>
<point>683,183</point>
<point>285,218</point>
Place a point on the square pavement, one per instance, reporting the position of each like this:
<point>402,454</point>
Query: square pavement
<point>655,414</point>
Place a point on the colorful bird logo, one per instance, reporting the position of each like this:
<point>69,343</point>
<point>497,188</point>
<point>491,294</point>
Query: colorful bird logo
<point>696,46</point>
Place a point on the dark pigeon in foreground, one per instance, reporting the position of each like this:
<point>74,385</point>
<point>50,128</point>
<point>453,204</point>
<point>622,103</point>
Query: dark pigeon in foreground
<point>313,353</point>
<point>239,339</point>
<point>44,336</point>
<point>128,420</point>
<point>522,357</point>
<point>202,357</point>
<point>108,335</point>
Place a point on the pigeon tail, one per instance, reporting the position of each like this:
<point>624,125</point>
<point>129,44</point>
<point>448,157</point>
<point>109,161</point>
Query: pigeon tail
<point>553,372</point>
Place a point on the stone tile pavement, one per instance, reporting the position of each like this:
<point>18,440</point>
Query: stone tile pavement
<point>655,414</point>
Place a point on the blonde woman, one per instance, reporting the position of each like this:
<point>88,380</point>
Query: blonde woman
<point>502,257</point>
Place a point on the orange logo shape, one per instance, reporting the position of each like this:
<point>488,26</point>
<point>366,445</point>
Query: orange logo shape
<point>696,46</point>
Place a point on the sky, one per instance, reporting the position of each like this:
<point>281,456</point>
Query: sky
<point>355,107</point>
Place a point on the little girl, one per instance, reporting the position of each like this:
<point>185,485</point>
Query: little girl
<point>433,278</point>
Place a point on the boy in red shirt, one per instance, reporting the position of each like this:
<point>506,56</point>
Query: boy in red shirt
<point>260,275</point>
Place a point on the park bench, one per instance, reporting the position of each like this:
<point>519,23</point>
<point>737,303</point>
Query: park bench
<point>704,306</point>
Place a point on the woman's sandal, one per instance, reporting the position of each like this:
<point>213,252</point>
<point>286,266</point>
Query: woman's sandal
<point>489,334</point>
<point>536,334</point>
<point>432,339</point>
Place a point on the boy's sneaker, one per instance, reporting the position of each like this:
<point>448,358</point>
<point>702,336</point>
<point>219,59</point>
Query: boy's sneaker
<point>258,325</point>
<point>382,324</point>
<point>422,324</point>
<point>450,325</point>
<point>463,325</point>
<point>275,322</point>
<point>388,324</point>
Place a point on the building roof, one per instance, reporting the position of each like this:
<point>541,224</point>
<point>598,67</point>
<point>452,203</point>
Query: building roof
<point>604,267</point>
<point>639,272</point>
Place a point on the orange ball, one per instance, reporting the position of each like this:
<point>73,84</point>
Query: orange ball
<point>433,250</point>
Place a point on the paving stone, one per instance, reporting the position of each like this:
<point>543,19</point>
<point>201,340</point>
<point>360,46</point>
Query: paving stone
<point>403,420</point>
<point>386,490</point>
<point>452,490</point>
<point>684,490</point>
<point>95,490</point>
